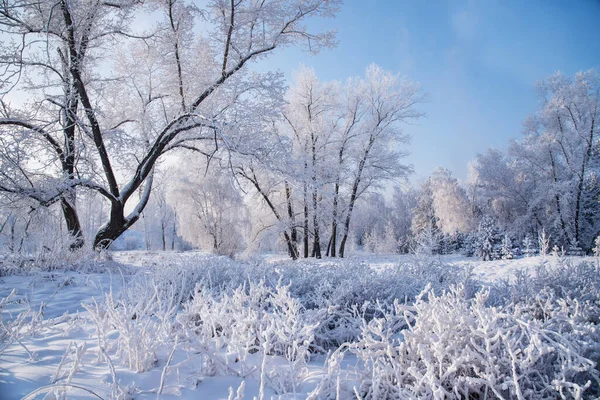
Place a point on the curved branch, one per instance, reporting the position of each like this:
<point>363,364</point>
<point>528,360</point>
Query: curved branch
<point>24,124</point>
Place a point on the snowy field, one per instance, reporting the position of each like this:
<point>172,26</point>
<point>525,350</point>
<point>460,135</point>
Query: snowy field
<point>188,325</point>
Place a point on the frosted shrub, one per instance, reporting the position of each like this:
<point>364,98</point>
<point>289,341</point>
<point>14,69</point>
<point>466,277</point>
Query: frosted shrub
<point>14,329</point>
<point>331,386</point>
<point>455,348</point>
<point>427,242</point>
<point>252,319</point>
<point>574,249</point>
<point>580,282</point>
<point>125,326</point>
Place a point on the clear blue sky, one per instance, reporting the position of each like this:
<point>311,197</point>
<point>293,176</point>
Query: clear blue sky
<point>478,62</point>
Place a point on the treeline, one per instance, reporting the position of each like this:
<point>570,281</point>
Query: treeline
<point>542,193</point>
<point>315,187</point>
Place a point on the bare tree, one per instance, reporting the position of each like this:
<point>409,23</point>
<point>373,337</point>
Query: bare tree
<point>389,101</point>
<point>63,41</point>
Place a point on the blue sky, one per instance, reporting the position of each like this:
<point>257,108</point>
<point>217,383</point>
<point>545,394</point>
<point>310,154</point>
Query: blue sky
<point>477,61</point>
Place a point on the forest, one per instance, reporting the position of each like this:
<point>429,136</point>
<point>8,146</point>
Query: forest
<point>175,212</point>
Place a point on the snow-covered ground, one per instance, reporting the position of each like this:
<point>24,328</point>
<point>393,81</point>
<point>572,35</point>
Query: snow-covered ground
<point>52,340</point>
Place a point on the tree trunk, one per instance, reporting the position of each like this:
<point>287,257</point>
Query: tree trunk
<point>347,221</point>
<point>361,166</point>
<point>588,155</point>
<point>557,198</point>
<point>11,244</point>
<point>305,221</point>
<point>174,230</point>
<point>111,230</point>
<point>293,251</point>
<point>317,237</point>
<point>73,225</point>
<point>333,239</point>
<point>292,217</point>
<point>163,234</point>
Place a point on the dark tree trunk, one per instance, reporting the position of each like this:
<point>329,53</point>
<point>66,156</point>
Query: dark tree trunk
<point>163,234</point>
<point>557,198</point>
<point>174,231</point>
<point>347,221</point>
<point>73,225</point>
<point>317,237</point>
<point>292,217</point>
<point>112,229</point>
<point>354,195</point>
<point>305,222</point>
<point>588,155</point>
<point>333,240</point>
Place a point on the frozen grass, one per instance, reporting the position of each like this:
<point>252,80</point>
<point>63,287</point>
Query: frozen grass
<point>196,326</point>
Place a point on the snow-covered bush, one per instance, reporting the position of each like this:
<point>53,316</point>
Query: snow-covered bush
<point>26,322</point>
<point>58,258</point>
<point>124,328</point>
<point>369,242</point>
<point>252,319</point>
<point>452,347</point>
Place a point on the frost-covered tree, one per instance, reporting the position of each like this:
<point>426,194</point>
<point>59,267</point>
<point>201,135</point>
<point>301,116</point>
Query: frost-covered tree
<point>427,242</point>
<point>501,188</point>
<point>311,116</point>
<point>333,144</point>
<point>506,251</point>
<point>192,91</point>
<point>488,239</point>
<point>565,134</point>
<point>450,203</point>
<point>402,205</point>
<point>390,101</point>
<point>549,178</point>
<point>211,212</point>
<point>528,247</point>
<point>423,214</point>
<point>543,242</point>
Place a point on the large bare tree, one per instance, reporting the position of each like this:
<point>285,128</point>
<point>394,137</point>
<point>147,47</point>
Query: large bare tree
<point>88,120</point>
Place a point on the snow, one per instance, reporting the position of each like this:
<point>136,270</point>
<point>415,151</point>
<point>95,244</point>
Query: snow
<point>57,326</point>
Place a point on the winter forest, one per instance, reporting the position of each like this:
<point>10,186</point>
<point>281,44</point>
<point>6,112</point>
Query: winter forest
<point>181,219</point>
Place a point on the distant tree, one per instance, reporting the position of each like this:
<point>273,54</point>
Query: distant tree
<point>211,212</point>
<point>423,214</point>
<point>556,163</point>
<point>450,203</point>
<point>488,239</point>
<point>507,249</point>
<point>528,247</point>
<point>543,243</point>
<point>332,145</point>
<point>390,101</point>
